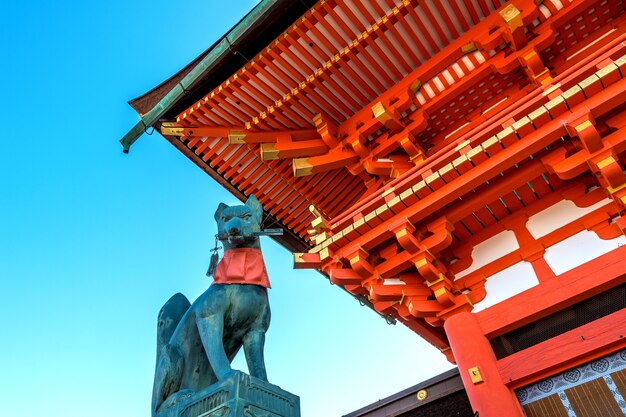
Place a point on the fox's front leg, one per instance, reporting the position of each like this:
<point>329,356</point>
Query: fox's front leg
<point>211,329</point>
<point>253,345</point>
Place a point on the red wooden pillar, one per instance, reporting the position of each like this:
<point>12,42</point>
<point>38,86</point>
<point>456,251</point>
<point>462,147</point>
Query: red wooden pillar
<point>477,365</point>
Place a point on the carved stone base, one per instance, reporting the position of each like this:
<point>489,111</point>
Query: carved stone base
<point>239,395</point>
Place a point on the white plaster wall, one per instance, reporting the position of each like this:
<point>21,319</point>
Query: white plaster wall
<point>558,215</point>
<point>507,283</point>
<point>490,250</point>
<point>579,249</point>
<point>393,281</point>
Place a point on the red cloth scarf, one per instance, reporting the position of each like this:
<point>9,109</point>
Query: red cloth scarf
<point>242,266</point>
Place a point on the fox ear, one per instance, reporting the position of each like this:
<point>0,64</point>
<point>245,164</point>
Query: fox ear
<point>219,210</point>
<point>254,205</point>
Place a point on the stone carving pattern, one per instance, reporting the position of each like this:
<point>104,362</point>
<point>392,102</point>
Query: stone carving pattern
<point>206,404</point>
<point>217,413</point>
<point>270,399</point>
<point>252,411</point>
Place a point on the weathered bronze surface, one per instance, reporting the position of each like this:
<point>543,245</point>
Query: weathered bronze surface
<point>237,395</point>
<point>196,342</point>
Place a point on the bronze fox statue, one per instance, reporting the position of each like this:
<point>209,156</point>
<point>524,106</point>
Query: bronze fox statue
<point>196,342</point>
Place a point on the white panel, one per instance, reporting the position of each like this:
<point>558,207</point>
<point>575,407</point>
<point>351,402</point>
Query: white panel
<point>490,250</point>
<point>429,90</point>
<point>447,76</point>
<point>505,98</point>
<point>590,46</point>
<point>438,84</point>
<point>393,281</point>
<point>479,56</point>
<point>507,283</point>
<point>545,11</point>
<point>468,63</point>
<point>557,4</point>
<point>558,215</point>
<point>457,68</point>
<point>579,249</point>
<point>456,130</point>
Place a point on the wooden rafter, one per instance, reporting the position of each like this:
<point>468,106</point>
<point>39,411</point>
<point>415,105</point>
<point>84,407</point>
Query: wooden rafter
<point>417,130</point>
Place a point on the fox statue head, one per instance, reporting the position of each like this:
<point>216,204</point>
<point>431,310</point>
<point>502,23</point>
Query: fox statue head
<point>236,225</point>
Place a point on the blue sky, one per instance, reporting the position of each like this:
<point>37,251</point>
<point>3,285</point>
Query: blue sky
<point>93,242</point>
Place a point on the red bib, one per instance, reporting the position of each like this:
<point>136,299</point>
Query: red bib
<point>242,266</point>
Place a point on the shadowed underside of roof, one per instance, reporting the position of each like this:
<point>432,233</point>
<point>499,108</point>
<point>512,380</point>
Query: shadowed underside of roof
<point>334,60</point>
<point>357,122</point>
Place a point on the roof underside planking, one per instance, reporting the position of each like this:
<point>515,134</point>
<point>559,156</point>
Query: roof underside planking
<point>338,59</point>
<point>353,103</point>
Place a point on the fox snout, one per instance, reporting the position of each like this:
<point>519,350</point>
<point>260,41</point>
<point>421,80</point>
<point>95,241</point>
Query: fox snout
<point>238,231</point>
<point>235,227</point>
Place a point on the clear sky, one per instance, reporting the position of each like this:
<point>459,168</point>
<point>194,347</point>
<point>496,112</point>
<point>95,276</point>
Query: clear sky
<point>93,242</point>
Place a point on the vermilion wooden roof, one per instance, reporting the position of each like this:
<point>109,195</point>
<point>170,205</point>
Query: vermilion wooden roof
<point>340,59</point>
<point>337,59</point>
<point>398,111</point>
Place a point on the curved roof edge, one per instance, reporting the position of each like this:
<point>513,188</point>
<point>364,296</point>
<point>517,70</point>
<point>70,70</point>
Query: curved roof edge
<point>250,35</point>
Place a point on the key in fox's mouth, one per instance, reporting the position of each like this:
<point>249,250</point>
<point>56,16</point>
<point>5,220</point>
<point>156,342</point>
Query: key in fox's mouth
<point>236,239</point>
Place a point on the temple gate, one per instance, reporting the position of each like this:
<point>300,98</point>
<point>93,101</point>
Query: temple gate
<point>457,165</point>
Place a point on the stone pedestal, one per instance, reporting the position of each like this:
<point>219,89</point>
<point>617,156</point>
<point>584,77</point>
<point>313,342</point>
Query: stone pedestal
<point>239,395</point>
